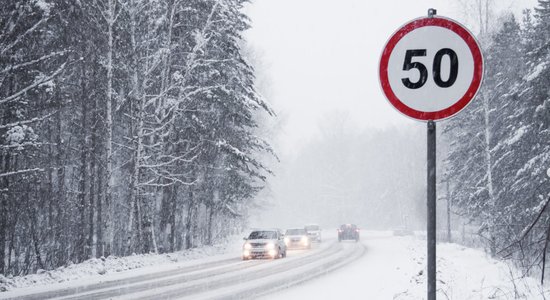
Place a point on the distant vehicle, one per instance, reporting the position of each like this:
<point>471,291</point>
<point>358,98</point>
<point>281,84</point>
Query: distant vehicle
<point>264,243</point>
<point>297,238</point>
<point>348,232</point>
<point>314,232</point>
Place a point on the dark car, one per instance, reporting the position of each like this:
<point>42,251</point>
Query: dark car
<point>348,232</point>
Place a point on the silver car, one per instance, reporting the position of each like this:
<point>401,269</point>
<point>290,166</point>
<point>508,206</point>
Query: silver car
<point>314,232</point>
<point>297,238</point>
<point>264,243</point>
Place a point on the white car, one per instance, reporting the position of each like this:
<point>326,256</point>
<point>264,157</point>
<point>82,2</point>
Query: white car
<point>264,243</point>
<point>296,238</point>
<point>314,232</point>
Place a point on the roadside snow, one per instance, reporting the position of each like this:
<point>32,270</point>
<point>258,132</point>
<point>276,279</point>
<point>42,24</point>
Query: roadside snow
<point>465,273</point>
<point>394,268</point>
<point>113,267</point>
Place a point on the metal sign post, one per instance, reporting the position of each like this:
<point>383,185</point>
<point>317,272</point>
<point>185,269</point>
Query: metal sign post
<point>430,69</point>
<point>431,201</point>
<point>431,238</point>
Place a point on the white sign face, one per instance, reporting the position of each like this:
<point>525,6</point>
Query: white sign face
<point>430,97</point>
<point>431,68</point>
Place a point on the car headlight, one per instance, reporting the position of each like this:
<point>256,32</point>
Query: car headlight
<point>247,246</point>
<point>287,241</point>
<point>304,240</point>
<point>270,246</point>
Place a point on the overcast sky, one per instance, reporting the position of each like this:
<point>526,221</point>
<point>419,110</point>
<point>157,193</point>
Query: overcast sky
<point>321,56</point>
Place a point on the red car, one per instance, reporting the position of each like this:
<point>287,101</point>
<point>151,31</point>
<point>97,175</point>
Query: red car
<point>348,232</point>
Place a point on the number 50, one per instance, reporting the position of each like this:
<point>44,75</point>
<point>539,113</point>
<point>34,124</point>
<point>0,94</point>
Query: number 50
<point>436,70</point>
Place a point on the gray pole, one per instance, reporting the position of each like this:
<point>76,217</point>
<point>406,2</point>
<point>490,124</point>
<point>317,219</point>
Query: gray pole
<point>431,238</point>
<point>431,211</point>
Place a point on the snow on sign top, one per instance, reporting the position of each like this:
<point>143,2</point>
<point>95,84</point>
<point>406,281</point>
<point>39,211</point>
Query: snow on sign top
<point>431,68</point>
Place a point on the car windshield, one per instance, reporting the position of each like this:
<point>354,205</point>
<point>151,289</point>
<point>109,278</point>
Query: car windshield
<point>312,227</point>
<point>297,231</point>
<point>348,226</point>
<point>258,235</point>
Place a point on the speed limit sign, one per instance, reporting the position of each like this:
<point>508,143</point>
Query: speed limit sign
<point>431,68</point>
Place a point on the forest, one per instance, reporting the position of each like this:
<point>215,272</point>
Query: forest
<point>498,149</point>
<point>126,126</point>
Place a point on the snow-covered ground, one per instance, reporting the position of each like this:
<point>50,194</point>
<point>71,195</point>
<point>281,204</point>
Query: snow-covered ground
<point>394,268</point>
<point>391,268</point>
<point>114,268</point>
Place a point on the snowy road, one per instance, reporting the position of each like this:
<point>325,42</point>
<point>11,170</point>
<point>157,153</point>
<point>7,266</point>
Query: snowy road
<point>223,278</point>
<point>380,266</point>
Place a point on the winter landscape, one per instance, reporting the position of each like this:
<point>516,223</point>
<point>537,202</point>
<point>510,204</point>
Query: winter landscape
<point>233,149</point>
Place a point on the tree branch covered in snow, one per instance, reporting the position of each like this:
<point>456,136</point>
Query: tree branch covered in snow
<point>18,172</point>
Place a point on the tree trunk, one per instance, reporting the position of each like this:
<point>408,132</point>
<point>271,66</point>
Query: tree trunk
<point>4,213</point>
<point>210,225</point>
<point>488,161</point>
<point>109,234</point>
<point>138,135</point>
<point>99,220</point>
<point>35,239</point>
<point>83,180</point>
<point>99,212</point>
<point>60,233</point>
<point>94,184</point>
<point>172,220</point>
<point>189,220</point>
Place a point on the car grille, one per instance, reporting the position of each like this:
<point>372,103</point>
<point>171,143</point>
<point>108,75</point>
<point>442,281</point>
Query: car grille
<point>256,245</point>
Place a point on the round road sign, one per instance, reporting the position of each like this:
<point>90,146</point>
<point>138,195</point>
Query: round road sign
<point>431,68</point>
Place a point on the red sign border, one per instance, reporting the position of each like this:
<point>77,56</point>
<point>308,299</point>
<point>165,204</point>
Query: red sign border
<point>462,102</point>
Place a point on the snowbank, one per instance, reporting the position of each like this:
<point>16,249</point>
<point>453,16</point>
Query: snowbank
<point>394,267</point>
<point>97,269</point>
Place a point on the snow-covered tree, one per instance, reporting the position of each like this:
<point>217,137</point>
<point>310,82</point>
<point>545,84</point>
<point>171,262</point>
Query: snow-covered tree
<point>499,146</point>
<point>125,125</point>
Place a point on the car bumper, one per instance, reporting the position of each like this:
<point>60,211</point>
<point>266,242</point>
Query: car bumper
<point>259,253</point>
<point>298,245</point>
<point>348,237</point>
<point>315,237</point>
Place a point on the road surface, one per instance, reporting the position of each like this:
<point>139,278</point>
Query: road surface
<point>380,266</point>
<point>225,278</point>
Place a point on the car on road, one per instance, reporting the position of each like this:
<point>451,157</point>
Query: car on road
<point>264,243</point>
<point>314,232</point>
<point>297,238</point>
<point>348,232</point>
